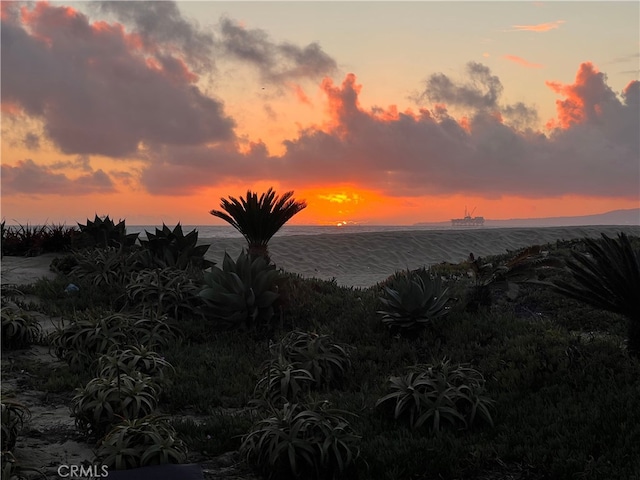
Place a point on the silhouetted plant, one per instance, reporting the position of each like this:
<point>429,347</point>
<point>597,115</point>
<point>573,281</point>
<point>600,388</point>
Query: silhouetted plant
<point>172,248</point>
<point>20,328</point>
<point>258,219</point>
<point>608,277</point>
<point>242,293</point>
<point>103,233</point>
<point>415,300</point>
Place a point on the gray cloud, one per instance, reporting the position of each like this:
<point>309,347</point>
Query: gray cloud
<point>160,23</point>
<point>27,177</point>
<point>275,62</point>
<point>31,141</point>
<point>433,153</point>
<point>482,91</point>
<point>96,93</point>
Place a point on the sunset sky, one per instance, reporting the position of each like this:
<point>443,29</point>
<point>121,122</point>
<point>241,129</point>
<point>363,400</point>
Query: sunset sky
<point>373,112</point>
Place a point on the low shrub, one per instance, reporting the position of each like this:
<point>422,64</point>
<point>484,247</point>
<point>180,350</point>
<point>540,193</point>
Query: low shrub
<point>163,291</point>
<point>282,382</point>
<point>326,360</point>
<point>438,394</point>
<point>105,401</point>
<point>132,359</point>
<point>298,442</point>
<point>20,328</point>
<point>90,335</point>
<point>140,442</point>
<point>14,415</point>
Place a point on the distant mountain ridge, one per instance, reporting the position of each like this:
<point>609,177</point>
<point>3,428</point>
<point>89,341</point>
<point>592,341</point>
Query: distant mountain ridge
<point>615,217</point>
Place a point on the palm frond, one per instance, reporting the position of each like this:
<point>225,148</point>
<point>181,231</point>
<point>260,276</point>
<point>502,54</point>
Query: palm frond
<point>607,277</point>
<point>259,218</point>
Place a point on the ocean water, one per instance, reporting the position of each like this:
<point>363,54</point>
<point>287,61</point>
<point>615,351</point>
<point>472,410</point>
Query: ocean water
<point>227,231</point>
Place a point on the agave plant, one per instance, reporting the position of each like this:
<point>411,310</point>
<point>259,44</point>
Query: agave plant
<point>301,443</point>
<point>416,300</point>
<point>104,232</point>
<point>258,219</point>
<point>172,248</point>
<point>140,442</point>
<point>438,394</point>
<point>242,293</point>
<point>608,277</point>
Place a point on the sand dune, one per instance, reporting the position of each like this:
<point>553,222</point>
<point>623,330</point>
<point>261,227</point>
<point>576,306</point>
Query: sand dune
<point>363,259</point>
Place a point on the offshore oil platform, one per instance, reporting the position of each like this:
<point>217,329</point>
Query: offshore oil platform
<point>468,220</point>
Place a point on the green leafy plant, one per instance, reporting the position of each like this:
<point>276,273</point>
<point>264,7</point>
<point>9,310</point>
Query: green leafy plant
<point>258,219</point>
<point>608,277</point>
<point>283,382</point>
<point>14,416</point>
<point>140,442</point>
<point>242,293</point>
<point>81,341</point>
<point>105,401</point>
<point>133,359</point>
<point>166,291</point>
<point>438,394</point>
<point>523,267</point>
<point>326,360</point>
<point>416,300</point>
<point>172,248</point>
<point>298,442</point>
<point>108,266</point>
<point>20,328</point>
<point>103,233</point>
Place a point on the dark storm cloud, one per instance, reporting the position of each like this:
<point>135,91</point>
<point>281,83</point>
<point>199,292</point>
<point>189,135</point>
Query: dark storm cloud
<point>27,177</point>
<point>98,91</point>
<point>276,62</point>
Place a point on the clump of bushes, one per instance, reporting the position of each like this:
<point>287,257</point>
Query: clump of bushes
<point>437,395</point>
<point>31,240</point>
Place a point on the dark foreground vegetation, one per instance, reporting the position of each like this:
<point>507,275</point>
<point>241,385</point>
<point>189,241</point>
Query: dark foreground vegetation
<point>482,370</point>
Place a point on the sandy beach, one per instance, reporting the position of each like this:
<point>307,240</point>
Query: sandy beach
<point>363,259</point>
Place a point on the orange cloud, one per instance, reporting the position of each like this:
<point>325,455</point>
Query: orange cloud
<point>301,96</point>
<point>541,27</point>
<point>583,98</point>
<point>522,61</point>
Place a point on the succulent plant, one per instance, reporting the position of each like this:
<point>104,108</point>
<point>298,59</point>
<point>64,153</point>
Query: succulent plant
<point>14,415</point>
<point>414,301</point>
<point>172,248</point>
<point>20,328</point>
<point>103,233</point>
<point>438,394</point>
<point>140,442</point>
<point>303,443</point>
<point>105,401</point>
<point>242,293</point>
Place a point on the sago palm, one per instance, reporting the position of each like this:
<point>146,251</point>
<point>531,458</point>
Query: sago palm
<point>608,277</point>
<point>258,219</point>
